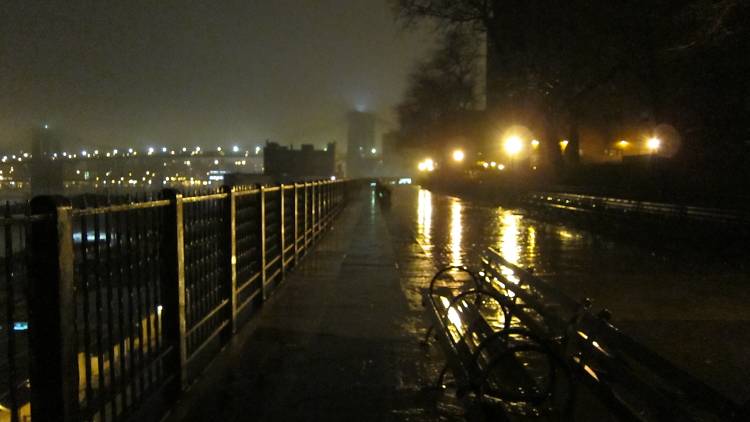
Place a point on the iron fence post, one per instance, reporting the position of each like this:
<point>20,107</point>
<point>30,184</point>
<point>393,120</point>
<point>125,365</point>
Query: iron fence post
<point>282,241</point>
<point>173,286</point>
<point>262,240</point>
<point>306,219</point>
<point>319,207</point>
<point>314,214</point>
<point>52,336</point>
<point>231,245</point>
<point>296,225</point>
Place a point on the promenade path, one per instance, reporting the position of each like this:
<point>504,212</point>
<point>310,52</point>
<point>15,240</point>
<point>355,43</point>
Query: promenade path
<point>339,340</point>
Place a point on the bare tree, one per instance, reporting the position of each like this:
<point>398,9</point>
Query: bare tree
<point>440,89</point>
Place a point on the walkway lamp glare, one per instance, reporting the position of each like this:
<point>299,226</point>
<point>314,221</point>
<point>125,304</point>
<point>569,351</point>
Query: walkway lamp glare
<point>426,165</point>
<point>653,144</point>
<point>513,145</point>
<point>458,155</point>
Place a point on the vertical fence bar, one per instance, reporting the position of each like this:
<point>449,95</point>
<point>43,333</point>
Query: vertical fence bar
<point>10,317</point>
<point>54,372</point>
<point>306,214</point>
<point>282,240</point>
<point>321,214</point>
<point>262,240</point>
<point>173,285</point>
<point>231,244</point>
<point>313,213</point>
<point>296,225</point>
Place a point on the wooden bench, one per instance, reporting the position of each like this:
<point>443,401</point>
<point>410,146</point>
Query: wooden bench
<point>504,365</point>
<point>516,341</point>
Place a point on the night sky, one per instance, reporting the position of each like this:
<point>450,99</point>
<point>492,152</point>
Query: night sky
<point>152,73</point>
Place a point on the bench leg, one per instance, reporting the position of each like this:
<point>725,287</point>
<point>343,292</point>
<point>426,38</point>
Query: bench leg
<point>426,340</point>
<point>439,384</point>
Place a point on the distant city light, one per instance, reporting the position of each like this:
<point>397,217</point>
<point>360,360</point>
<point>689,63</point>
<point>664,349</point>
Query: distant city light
<point>150,150</point>
<point>163,149</point>
<point>563,145</point>
<point>501,167</point>
<point>458,155</point>
<point>257,150</point>
<point>534,143</point>
<point>235,148</point>
<point>513,145</point>
<point>426,165</point>
<point>216,162</point>
<point>333,178</point>
<point>46,126</point>
<point>84,153</point>
<point>623,143</point>
<point>373,151</point>
<point>653,144</point>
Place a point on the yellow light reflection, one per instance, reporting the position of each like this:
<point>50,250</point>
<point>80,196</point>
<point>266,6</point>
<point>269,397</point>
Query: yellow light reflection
<point>510,247</point>
<point>424,219</point>
<point>456,231</point>
<point>531,243</point>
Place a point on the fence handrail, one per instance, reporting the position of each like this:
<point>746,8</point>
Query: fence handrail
<point>149,291</point>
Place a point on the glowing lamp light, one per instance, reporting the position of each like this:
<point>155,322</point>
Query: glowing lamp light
<point>373,151</point>
<point>623,144</point>
<point>653,144</point>
<point>513,145</point>
<point>564,145</point>
<point>426,165</point>
<point>458,155</point>
<point>534,143</point>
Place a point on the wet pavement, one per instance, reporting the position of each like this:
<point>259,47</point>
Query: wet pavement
<point>690,306</point>
<point>339,340</point>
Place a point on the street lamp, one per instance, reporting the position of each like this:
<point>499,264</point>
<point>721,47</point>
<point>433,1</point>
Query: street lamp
<point>513,145</point>
<point>426,165</point>
<point>653,144</point>
<point>458,155</point>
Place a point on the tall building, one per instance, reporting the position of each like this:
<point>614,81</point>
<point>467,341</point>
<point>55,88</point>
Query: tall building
<point>360,143</point>
<point>46,174</point>
<point>306,162</point>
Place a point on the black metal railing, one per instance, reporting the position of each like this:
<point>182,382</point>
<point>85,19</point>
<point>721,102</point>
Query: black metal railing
<point>632,381</point>
<point>620,207</point>
<point>119,306</point>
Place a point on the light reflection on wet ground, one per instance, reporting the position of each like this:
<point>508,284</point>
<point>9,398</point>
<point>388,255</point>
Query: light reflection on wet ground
<point>691,310</point>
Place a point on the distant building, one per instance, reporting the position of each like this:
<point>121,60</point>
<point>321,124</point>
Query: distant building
<point>360,145</point>
<point>45,175</point>
<point>306,162</point>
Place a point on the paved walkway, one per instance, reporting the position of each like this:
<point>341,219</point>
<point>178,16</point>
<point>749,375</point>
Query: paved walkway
<point>339,340</point>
